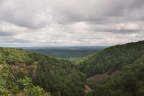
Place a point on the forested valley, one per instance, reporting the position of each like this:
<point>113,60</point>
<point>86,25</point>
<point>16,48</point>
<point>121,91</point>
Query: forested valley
<point>71,53</point>
<point>33,74</point>
<point>24,73</point>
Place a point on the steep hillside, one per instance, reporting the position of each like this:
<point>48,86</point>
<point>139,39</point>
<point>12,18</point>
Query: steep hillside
<point>36,74</point>
<point>111,59</point>
<point>127,60</point>
<point>130,82</point>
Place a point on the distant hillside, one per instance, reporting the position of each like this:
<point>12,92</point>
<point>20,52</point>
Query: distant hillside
<point>111,59</point>
<point>33,74</point>
<point>67,52</point>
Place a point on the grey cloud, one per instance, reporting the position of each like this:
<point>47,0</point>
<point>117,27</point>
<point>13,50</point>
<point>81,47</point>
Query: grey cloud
<point>96,10</point>
<point>125,31</point>
<point>26,13</point>
<point>119,7</point>
<point>43,13</point>
<point>14,40</point>
<point>5,34</point>
<point>71,22</point>
<point>121,31</point>
<point>90,38</point>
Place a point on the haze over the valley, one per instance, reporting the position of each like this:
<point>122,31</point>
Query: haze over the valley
<point>29,23</point>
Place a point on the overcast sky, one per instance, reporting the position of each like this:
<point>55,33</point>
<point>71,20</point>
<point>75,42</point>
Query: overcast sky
<point>70,22</point>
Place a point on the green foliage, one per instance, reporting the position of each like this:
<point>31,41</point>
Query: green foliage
<point>13,56</point>
<point>112,58</point>
<point>61,78</point>
<point>8,83</point>
<point>129,82</point>
<point>30,89</point>
<point>128,58</point>
<point>57,76</point>
<point>66,82</point>
<point>11,85</point>
<point>3,90</point>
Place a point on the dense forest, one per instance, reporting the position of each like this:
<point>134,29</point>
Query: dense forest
<point>24,73</point>
<point>130,82</point>
<point>111,59</point>
<point>128,59</point>
<point>34,74</point>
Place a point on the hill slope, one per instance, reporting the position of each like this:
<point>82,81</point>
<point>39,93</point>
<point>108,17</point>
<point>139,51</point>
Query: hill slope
<point>51,74</point>
<point>111,59</point>
<point>127,60</point>
<point>130,82</point>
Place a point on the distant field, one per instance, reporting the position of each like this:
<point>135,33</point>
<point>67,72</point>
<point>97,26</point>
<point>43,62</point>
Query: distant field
<point>66,52</point>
